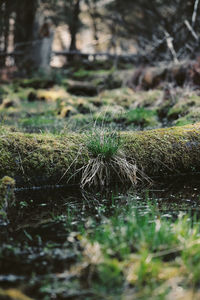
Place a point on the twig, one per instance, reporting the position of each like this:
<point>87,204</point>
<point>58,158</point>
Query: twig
<point>79,152</point>
<point>194,15</point>
<point>170,45</point>
<point>21,165</point>
<point>189,27</point>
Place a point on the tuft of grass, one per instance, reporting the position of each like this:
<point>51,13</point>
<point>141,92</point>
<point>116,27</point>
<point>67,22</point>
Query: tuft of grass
<point>107,162</point>
<point>103,143</point>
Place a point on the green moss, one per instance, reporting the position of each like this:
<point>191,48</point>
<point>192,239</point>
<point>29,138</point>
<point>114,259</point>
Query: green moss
<point>183,121</point>
<point>165,151</point>
<point>142,117</point>
<point>80,120</point>
<point>2,90</point>
<point>175,112</point>
<point>127,98</point>
<point>31,158</point>
<point>186,106</point>
<point>192,116</point>
<point>24,92</point>
<point>35,82</point>
<point>151,97</point>
<point>81,74</point>
<point>37,121</point>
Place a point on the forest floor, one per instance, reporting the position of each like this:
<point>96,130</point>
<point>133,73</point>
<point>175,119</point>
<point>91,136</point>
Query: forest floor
<point>119,242</point>
<point>93,98</point>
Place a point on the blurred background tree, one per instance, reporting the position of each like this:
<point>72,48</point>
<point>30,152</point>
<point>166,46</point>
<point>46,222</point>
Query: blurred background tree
<point>157,30</point>
<point>67,12</point>
<point>149,21</point>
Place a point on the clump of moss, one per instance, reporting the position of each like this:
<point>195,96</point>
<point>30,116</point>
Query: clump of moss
<point>183,121</point>
<point>140,117</point>
<point>37,121</point>
<point>80,121</point>
<point>108,114</point>
<point>84,106</point>
<point>175,112</point>
<point>186,108</point>
<point>191,117</point>
<point>9,103</point>
<point>53,94</point>
<point>67,111</point>
<point>82,74</point>
<point>35,82</point>
<point>121,96</point>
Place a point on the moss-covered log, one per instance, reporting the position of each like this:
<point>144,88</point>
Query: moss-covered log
<point>40,159</point>
<point>37,159</point>
<point>165,151</point>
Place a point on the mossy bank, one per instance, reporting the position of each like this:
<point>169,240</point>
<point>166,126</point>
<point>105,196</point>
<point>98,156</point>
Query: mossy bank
<point>48,159</point>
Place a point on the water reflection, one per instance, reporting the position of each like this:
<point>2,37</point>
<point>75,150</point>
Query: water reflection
<point>37,207</point>
<point>40,237</point>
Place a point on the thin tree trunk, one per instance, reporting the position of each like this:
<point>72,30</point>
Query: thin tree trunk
<point>33,36</point>
<point>93,14</point>
<point>5,10</point>
<point>73,28</point>
<point>23,34</point>
<point>6,26</point>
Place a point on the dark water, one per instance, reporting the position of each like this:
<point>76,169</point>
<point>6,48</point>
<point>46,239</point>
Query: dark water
<point>38,243</point>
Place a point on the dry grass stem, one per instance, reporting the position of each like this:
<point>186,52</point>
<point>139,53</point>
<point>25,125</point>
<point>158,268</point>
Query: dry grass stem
<point>101,172</point>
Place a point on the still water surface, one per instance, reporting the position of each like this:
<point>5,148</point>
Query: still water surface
<point>37,244</point>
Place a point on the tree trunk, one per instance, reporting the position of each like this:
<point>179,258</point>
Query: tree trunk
<point>92,10</point>
<point>41,49</point>
<point>74,26</point>
<point>33,36</point>
<point>23,34</point>
<point>5,11</point>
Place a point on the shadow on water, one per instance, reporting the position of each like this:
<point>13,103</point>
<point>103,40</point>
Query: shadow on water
<point>39,242</point>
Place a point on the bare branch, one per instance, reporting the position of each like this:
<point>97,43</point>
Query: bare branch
<point>194,16</point>
<point>189,27</point>
<point>170,45</point>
